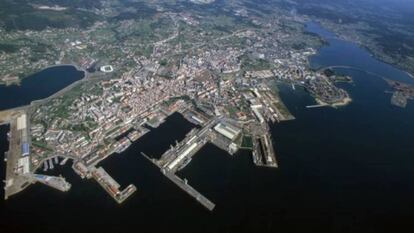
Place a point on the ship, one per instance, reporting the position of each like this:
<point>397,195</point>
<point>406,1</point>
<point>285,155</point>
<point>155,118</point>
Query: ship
<point>185,163</point>
<point>123,144</point>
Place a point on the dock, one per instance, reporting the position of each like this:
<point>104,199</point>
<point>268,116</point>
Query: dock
<point>63,162</point>
<point>183,185</point>
<point>45,166</point>
<point>55,182</point>
<point>15,182</point>
<point>111,186</point>
<point>51,164</point>
<point>190,190</point>
<point>317,106</point>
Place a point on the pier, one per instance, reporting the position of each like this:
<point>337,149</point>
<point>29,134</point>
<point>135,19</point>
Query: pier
<point>55,182</point>
<point>190,190</point>
<point>64,161</point>
<point>317,106</point>
<point>111,186</point>
<point>183,184</point>
<point>16,180</point>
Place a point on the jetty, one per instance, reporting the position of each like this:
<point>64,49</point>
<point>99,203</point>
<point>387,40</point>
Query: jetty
<point>183,184</point>
<point>55,182</point>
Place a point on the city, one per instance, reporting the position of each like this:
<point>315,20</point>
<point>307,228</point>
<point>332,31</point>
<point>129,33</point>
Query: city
<point>226,86</point>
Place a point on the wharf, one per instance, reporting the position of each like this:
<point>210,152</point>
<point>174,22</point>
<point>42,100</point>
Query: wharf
<point>184,186</point>
<point>317,106</point>
<point>55,182</point>
<point>14,182</point>
<point>176,157</point>
<point>63,162</point>
<point>190,190</point>
<point>111,186</point>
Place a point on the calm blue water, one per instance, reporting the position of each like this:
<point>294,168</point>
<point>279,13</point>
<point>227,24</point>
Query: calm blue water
<point>38,86</point>
<point>341,53</point>
<point>341,170</point>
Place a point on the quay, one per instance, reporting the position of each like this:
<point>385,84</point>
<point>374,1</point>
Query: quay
<point>17,160</point>
<point>183,184</point>
<point>190,190</point>
<point>317,106</point>
<point>111,186</point>
<point>55,182</point>
<point>64,161</point>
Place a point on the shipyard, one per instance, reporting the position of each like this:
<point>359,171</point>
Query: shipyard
<point>227,88</point>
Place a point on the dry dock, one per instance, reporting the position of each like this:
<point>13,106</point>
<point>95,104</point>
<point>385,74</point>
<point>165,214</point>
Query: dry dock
<point>263,152</point>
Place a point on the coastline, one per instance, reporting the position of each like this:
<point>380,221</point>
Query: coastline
<point>36,102</point>
<point>18,80</point>
<point>344,102</point>
<point>376,56</point>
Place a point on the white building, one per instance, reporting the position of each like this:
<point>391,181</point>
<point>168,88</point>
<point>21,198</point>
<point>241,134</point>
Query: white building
<point>107,69</point>
<point>228,131</point>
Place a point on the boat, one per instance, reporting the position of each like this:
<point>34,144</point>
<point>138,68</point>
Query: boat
<point>64,161</point>
<point>45,166</point>
<point>123,145</point>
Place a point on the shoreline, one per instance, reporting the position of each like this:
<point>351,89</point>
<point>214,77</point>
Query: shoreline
<point>359,44</point>
<point>344,102</point>
<point>19,80</point>
<point>36,102</point>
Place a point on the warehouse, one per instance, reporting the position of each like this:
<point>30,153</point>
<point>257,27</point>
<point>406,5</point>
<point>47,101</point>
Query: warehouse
<point>227,130</point>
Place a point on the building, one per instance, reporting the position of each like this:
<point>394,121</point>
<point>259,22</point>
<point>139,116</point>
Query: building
<point>25,149</point>
<point>257,113</point>
<point>23,165</point>
<point>229,131</point>
<point>184,154</point>
<point>107,69</point>
<point>22,122</point>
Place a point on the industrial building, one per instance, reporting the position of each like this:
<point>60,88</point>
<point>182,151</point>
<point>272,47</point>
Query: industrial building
<point>257,113</point>
<point>179,158</point>
<point>229,131</point>
<point>25,149</point>
<point>22,122</point>
<point>23,165</point>
<point>22,129</point>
